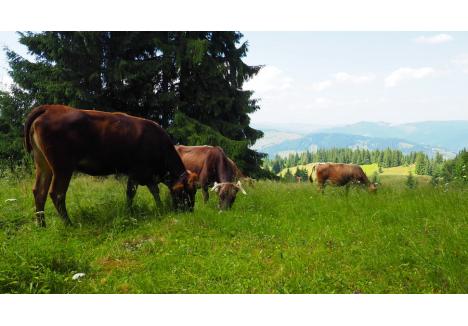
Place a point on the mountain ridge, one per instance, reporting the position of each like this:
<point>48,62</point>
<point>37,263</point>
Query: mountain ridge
<point>314,141</point>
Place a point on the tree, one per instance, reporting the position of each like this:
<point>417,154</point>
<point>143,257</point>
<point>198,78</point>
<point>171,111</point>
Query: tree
<point>411,181</point>
<point>288,177</point>
<point>421,165</point>
<point>148,74</point>
<point>13,108</point>
<point>276,167</point>
<point>302,173</point>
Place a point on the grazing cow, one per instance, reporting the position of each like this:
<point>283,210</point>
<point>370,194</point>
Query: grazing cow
<point>213,168</point>
<point>340,174</point>
<point>63,140</point>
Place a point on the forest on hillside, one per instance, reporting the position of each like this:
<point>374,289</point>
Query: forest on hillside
<point>436,167</point>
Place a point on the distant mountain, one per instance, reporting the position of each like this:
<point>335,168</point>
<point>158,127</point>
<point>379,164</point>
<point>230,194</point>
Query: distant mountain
<point>274,137</point>
<point>452,135</point>
<point>314,141</point>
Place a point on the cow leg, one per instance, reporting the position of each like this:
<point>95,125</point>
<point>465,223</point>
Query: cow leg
<point>347,189</point>
<point>41,188</point>
<point>205,193</point>
<point>154,189</point>
<point>131,191</point>
<point>321,187</point>
<point>58,192</point>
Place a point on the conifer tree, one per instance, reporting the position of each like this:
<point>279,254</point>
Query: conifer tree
<point>182,80</point>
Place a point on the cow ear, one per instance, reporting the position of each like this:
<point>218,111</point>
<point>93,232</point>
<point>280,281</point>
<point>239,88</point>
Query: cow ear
<point>178,186</point>
<point>192,178</point>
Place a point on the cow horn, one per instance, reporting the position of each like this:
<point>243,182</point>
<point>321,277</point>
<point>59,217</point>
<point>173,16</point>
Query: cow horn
<point>239,185</point>
<point>216,186</point>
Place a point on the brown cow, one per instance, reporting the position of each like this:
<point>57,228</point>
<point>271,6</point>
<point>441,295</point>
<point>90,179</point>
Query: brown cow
<point>64,140</point>
<point>213,168</point>
<point>340,174</point>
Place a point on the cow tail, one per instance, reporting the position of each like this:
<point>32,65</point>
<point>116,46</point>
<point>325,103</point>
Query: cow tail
<point>33,115</point>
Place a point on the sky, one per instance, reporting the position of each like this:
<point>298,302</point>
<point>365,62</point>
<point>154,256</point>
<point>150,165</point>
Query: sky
<point>336,78</point>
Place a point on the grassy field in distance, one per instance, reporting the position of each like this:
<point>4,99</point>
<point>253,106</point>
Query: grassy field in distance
<point>280,238</point>
<point>368,169</point>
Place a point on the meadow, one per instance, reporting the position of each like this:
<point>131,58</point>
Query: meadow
<point>280,238</point>
<point>368,169</point>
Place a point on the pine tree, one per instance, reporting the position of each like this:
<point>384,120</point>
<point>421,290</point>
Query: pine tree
<point>410,181</point>
<point>173,78</point>
<point>276,167</point>
<point>13,108</point>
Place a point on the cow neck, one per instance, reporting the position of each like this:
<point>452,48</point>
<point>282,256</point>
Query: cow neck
<point>175,167</point>
<point>226,174</point>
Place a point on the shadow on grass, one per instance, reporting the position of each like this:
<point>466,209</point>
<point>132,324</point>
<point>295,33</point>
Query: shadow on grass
<point>115,213</point>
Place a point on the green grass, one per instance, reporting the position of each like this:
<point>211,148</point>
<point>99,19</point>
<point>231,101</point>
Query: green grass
<point>399,170</point>
<point>368,169</point>
<point>280,238</point>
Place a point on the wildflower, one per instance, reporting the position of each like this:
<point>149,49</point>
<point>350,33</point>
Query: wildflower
<point>77,276</point>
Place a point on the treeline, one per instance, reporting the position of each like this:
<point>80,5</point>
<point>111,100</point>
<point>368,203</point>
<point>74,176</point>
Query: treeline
<point>437,167</point>
<point>384,158</point>
<point>453,170</point>
<point>191,83</point>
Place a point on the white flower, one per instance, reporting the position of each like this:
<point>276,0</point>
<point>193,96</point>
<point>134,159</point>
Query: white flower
<point>77,276</point>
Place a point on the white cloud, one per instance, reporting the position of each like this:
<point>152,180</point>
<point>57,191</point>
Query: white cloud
<point>462,60</point>
<point>269,79</point>
<point>323,101</point>
<point>320,86</point>
<point>434,39</point>
<point>406,73</point>
<point>342,77</point>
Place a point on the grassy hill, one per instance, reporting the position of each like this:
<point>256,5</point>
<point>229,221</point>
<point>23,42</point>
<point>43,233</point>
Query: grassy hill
<point>280,238</point>
<point>368,169</point>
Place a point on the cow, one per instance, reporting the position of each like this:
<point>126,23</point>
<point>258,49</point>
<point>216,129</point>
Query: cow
<point>213,168</point>
<point>63,139</point>
<point>340,174</point>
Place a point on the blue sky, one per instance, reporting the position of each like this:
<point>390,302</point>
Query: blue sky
<point>329,78</point>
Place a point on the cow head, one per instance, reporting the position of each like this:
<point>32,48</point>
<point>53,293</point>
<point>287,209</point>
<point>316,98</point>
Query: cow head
<point>227,192</point>
<point>373,187</point>
<point>183,191</point>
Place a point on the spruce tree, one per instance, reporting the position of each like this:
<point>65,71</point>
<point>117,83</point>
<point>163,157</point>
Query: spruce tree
<point>182,80</point>
<point>411,181</point>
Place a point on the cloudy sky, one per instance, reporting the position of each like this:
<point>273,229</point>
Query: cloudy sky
<point>330,78</point>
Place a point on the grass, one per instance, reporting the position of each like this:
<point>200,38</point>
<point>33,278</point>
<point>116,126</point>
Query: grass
<point>280,238</point>
<point>399,170</point>
<point>368,169</point>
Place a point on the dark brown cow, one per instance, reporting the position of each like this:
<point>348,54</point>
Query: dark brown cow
<point>213,168</point>
<point>63,140</point>
<point>340,174</point>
